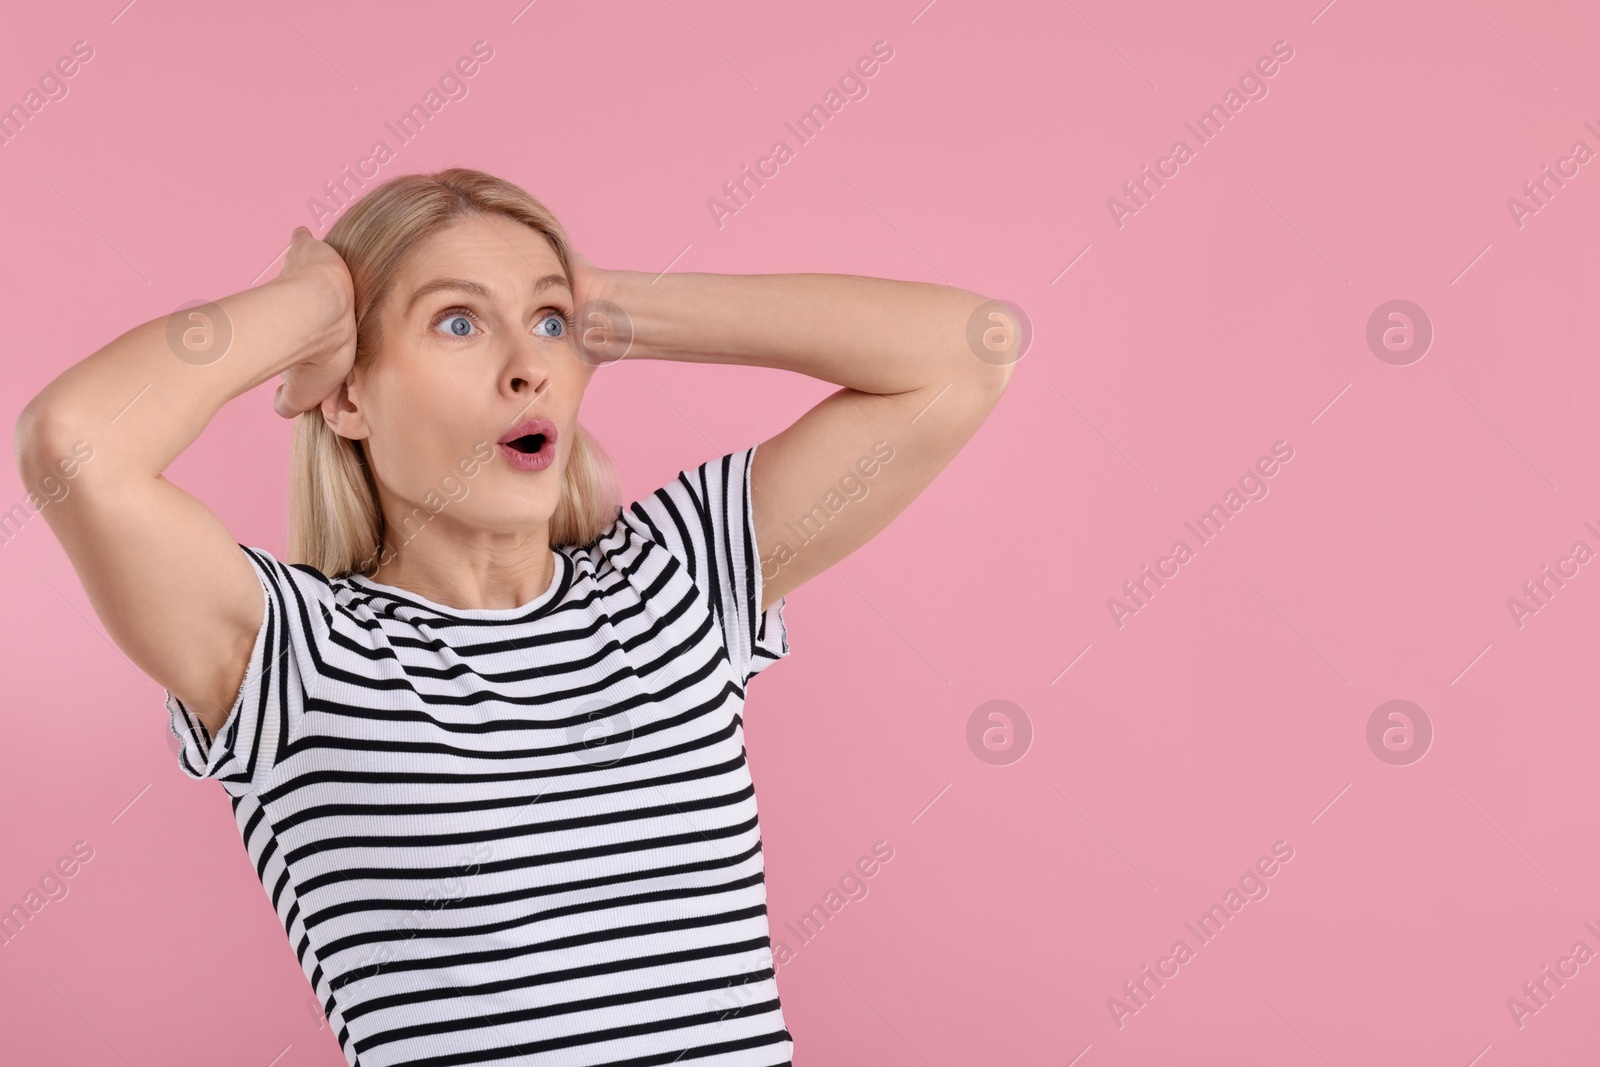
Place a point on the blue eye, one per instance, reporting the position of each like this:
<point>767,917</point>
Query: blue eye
<point>460,321</point>
<point>457,322</point>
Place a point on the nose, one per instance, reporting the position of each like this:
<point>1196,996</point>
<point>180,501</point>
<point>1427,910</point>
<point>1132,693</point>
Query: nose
<point>526,372</point>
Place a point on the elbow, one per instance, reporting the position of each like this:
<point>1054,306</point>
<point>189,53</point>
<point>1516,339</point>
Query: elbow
<point>984,384</point>
<point>989,374</point>
<point>998,336</point>
<point>995,378</point>
<point>977,389</point>
<point>44,439</point>
<point>26,440</point>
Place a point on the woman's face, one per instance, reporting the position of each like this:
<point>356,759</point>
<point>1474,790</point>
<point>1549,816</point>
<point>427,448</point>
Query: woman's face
<point>476,341</point>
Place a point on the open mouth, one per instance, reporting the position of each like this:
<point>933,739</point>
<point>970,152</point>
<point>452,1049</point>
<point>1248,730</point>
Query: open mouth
<point>530,445</point>
<point>527,444</point>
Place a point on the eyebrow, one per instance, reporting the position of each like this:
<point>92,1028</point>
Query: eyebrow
<point>478,289</point>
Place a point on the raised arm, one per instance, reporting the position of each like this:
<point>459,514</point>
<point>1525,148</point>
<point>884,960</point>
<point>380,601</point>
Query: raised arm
<point>907,354</point>
<point>164,575</point>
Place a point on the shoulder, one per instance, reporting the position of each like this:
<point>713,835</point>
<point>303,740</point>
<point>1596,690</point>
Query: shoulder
<point>313,606</point>
<point>697,510</point>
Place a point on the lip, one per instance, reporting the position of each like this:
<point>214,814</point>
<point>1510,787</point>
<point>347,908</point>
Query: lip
<point>530,461</point>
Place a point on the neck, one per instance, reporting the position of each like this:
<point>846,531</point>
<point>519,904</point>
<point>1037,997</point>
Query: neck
<point>480,576</point>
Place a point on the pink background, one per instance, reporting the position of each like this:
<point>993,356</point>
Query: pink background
<point>1227,314</point>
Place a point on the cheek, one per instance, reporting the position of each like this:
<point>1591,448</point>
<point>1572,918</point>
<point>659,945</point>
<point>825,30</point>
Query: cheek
<point>579,390</point>
<point>409,409</point>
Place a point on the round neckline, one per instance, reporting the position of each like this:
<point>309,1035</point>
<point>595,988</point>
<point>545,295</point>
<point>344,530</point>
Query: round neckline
<point>560,578</point>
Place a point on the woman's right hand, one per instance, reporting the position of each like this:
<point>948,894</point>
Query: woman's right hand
<point>320,274</point>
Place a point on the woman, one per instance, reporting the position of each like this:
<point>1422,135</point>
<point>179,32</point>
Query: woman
<point>482,729</point>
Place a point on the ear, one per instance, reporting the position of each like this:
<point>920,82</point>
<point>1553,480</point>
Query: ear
<point>343,413</point>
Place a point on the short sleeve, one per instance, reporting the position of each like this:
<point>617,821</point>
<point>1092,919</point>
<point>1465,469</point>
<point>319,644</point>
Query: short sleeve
<point>284,666</point>
<point>705,518</point>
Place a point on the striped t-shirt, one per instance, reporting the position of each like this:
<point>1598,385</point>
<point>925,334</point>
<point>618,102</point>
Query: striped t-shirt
<point>521,835</point>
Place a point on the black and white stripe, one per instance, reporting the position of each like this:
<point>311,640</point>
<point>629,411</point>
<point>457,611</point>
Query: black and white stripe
<point>527,835</point>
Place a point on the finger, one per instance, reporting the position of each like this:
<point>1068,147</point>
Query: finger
<point>297,394</point>
<point>299,237</point>
<point>290,402</point>
<point>305,387</point>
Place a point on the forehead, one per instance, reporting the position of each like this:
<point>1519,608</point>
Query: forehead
<point>480,247</point>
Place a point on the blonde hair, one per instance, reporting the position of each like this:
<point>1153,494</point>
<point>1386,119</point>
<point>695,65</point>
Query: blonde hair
<point>335,523</point>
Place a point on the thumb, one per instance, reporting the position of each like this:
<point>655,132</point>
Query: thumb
<point>297,240</point>
<point>278,404</point>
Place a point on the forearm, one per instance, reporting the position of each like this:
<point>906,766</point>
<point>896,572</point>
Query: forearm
<point>145,403</point>
<point>875,335</point>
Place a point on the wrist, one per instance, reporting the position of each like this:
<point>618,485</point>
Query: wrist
<point>638,311</point>
<point>319,304</point>
<point>284,322</point>
<point>315,298</point>
<point>603,314</point>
